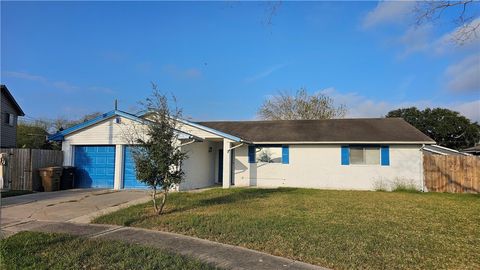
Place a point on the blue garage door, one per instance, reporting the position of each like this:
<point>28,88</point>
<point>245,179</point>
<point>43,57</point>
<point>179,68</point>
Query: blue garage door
<point>95,166</point>
<point>129,173</point>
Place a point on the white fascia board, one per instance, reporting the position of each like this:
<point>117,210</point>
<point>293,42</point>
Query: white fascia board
<point>211,130</point>
<point>347,142</point>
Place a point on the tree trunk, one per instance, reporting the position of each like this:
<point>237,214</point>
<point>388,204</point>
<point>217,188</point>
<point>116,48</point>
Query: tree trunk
<point>154,198</point>
<point>165,193</point>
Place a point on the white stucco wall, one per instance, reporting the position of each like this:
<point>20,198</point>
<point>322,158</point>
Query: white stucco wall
<point>319,166</point>
<point>199,167</point>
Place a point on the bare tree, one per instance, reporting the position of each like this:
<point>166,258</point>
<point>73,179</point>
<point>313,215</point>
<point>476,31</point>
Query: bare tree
<point>466,17</point>
<point>285,106</point>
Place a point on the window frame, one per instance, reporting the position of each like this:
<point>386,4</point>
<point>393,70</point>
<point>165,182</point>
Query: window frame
<point>257,147</point>
<point>9,119</point>
<point>284,153</point>
<point>378,148</point>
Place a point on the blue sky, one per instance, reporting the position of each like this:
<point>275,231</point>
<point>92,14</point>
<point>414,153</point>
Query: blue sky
<point>222,59</point>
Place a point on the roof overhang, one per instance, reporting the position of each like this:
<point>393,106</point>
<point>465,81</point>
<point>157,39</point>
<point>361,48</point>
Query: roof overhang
<point>204,128</point>
<point>12,99</point>
<point>350,142</point>
<point>59,136</point>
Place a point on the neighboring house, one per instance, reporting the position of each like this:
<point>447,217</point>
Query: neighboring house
<point>474,150</point>
<point>334,154</point>
<point>10,111</point>
<point>441,150</point>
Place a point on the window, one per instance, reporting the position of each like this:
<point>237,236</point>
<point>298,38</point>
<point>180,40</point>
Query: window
<point>9,119</point>
<point>268,154</point>
<point>364,155</point>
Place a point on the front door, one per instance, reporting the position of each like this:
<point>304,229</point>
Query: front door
<point>220,166</point>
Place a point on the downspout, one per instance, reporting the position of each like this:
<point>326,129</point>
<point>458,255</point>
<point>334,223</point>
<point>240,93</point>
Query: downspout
<point>422,170</point>
<point>189,142</point>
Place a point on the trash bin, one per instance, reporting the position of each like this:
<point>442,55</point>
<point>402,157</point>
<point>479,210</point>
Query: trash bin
<point>68,176</point>
<point>50,178</point>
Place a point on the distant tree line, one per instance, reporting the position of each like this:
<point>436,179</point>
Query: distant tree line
<point>448,128</point>
<point>33,134</point>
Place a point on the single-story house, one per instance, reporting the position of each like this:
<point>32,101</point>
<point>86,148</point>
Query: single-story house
<point>474,150</point>
<point>330,154</point>
<point>441,150</point>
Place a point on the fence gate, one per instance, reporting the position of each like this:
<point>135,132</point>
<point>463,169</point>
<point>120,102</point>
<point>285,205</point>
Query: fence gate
<point>21,170</point>
<point>459,174</point>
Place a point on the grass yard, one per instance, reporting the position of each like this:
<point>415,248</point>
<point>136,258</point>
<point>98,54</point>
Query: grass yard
<point>337,229</point>
<point>29,250</point>
<point>11,193</point>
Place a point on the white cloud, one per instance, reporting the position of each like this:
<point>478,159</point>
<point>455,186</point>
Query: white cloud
<point>388,12</point>
<point>416,39</point>
<point>359,106</point>
<point>65,86</point>
<point>448,42</point>
<point>469,109</point>
<point>25,76</point>
<point>265,73</point>
<point>182,74</point>
<point>61,85</point>
<point>464,76</point>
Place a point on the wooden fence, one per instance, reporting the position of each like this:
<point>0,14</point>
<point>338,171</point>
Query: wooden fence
<point>459,174</point>
<point>21,170</point>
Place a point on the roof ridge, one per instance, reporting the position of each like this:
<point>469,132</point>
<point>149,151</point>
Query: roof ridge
<point>298,120</point>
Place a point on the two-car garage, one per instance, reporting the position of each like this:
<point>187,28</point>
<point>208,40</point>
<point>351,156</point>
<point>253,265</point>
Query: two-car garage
<point>100,151</point>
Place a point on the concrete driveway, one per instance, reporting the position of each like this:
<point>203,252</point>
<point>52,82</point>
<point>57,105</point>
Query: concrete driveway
<point>76,205</point>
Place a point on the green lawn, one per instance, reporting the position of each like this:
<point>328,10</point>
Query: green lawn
<point>11,193</point>
<point>28,250</point>
<point>338,229</point>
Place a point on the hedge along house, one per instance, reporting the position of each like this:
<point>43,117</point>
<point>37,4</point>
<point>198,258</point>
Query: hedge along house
<point>334,154</point>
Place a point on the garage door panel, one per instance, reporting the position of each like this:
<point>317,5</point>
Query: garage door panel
<point>94,166</point>
<point>130,180</point>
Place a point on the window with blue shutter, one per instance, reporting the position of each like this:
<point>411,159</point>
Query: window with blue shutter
<point>251,154</point>
<point>385,155</point>
<point>285,154</point>
<point>345,155</point>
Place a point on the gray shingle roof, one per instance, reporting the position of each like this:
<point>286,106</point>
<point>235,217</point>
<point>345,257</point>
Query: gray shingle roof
<point>374,130</point>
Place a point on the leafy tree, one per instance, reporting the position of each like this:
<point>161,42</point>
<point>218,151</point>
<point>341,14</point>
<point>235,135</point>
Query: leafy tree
<point>448,128</point>
<point>31,135</point>
<point>62,123</point>
<point>157,154</point>
<point>300,106</point>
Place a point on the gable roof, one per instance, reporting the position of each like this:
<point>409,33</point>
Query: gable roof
<point>61,134</point>
<point>366,130</point>
<point>6,93</point>
<point>144,113</point>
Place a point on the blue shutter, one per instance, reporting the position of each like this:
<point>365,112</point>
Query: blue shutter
<point>345,155</point>
<point>385,154</point>
<point>251,154</point>
<point>285,154</point>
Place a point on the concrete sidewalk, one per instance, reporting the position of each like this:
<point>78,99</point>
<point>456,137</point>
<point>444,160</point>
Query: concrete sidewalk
<point>221,255</point>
